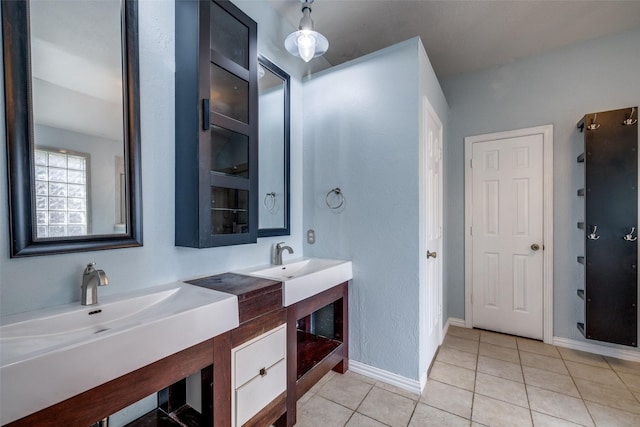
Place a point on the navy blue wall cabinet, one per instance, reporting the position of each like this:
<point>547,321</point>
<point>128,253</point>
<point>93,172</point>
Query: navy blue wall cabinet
<point>610,226</point>
<point>216,125</point>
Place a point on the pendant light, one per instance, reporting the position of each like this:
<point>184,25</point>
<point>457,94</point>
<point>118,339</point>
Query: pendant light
<point>306,43</point>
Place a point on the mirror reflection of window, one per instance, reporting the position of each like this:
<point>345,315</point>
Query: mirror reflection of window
<point>77,102</point>
<point>61,193</point>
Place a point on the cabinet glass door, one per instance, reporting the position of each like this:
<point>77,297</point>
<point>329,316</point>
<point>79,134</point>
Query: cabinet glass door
<point>233,136</point>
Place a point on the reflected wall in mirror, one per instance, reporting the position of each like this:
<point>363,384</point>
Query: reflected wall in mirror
<point>72,116</point>
<point>273,164</point>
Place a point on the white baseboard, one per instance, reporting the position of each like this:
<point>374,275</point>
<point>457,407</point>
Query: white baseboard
<point>619,353</point>
<point>452,321</point>
<point>385,376</point>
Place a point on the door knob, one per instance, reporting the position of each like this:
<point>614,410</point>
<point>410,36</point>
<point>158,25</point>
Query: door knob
<point>535,247</point>
<point>431,254</point>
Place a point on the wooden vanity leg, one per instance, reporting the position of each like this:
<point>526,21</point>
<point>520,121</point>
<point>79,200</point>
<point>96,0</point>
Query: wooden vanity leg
<point>341,327</point>
<point>222,380</point>
<point>289,419</point>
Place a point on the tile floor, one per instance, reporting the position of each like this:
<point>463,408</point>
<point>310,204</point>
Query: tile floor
<point>482,378</point>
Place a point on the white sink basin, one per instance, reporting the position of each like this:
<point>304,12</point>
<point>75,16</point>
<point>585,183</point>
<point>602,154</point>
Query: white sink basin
<point>49,355</point>
<point>305,277</point>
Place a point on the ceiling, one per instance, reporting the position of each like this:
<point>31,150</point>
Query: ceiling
<point>462,35</point>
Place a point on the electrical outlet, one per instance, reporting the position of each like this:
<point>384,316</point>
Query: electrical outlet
<point>311,237</point>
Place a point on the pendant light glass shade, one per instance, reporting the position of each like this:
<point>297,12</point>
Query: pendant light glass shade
<point>306,43</point>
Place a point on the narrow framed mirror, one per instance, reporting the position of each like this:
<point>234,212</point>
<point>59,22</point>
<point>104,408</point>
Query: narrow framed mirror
<point>72,125</point>
<point>273,153</point>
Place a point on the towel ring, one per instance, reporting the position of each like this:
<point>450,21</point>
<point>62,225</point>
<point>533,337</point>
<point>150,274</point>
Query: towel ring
<point>269,201</point>
<point>339,198</point>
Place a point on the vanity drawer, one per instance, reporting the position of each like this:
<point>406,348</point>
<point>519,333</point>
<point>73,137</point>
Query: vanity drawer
<point>261,353</point>
<point>258,392</point>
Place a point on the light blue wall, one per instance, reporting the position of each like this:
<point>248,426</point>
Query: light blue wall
<point>557,88</point>
<point>32,283</point>
<point>361,134</point>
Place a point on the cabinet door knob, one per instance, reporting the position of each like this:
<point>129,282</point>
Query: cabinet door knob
<point>431,254</point>
<point>535,247</point>
<point>263,372</point>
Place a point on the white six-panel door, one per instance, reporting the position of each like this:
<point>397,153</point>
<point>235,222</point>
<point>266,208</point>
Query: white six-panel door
<point>432,232</point>
<point>507,235</point>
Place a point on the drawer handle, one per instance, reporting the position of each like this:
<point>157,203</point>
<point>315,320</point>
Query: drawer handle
<point>263,372</point>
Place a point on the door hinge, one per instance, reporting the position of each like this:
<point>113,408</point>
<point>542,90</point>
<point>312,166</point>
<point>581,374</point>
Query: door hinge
<point>471,163</point>
<point>471,231</point>
<point>472,298</point>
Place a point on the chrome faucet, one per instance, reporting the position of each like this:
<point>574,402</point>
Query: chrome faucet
<point>276,253</point>
<point>91,279</point>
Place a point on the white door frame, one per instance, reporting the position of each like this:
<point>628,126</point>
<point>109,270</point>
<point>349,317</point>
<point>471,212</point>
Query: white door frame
<point>547,185</point>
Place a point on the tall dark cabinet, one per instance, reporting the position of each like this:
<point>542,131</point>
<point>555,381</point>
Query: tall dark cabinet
<point>610,226</point>
<point>216,89</point>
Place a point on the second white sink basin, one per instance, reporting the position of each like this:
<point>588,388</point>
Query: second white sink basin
<point>49,355</point>
<point>305,277</point>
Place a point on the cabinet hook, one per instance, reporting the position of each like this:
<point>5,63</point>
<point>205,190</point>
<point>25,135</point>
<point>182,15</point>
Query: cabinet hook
<point>630,121</point>
<point>593,125</point>
<point>629,237</point>
<point>593,235</point>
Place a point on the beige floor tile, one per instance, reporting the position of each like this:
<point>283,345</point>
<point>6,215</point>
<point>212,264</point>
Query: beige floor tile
<point>620,365</point>
<point>609,417</point>
<point>397,390</point>
<point>533,346</point>
<point>544,420</point>
<point>558,405</point>
<point>593,373</point>
<point>631,380</point>
<point>426,416</point>
<point>453,356</point>
<point>358,377</point>
<point>543,362</point>
<point>498,339</point>
<point>550,381</point>
<point>616,397</point>
<point>453,375</point>
<point>499,352</point>
<point>359,420</point>
<point>463,344</point>
<point>583,357</point>
<point>345,390</point>
<point>500,368</point>
<point>319,411</point>
<point>317,386</point>
<point>386,407</point>
<point>448,398</point>
<point>501,389</point>
<point>494,412</point>
<point>468,333</point>
<point>304,399</point>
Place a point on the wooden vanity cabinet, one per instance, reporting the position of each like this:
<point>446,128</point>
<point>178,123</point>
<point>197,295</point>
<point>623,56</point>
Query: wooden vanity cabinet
<point>216,126</point>
<point>310,356</point>
<point>97,403</point>
<point>257,398</point>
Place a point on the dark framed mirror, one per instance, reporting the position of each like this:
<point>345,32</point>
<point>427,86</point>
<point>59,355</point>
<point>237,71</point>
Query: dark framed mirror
<point>273,153</point>
<point>72,125</point>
